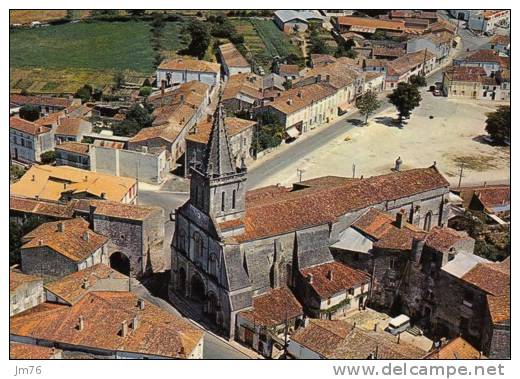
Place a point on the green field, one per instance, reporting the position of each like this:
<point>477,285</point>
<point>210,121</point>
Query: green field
<point>264,40</point>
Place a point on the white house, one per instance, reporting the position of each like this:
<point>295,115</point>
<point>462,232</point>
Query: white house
<point>181,70</point>
<point>27,140</point>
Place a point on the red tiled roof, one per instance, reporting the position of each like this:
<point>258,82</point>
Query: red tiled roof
<point>232,56</point>
<point>181,64</point>
<point>25,126</point>
<point>234,126</point>
<point>465,74</point>
<point>272,308</point>
<point>44,208</point>
<point>285,211</point>
<point>74,147</point>
<point>441,239</point>
<point>40,100</point>
<point>371,23</point>
<point>457,348</point>
<point>69,126</point>
<point>16,279</point>
<point>289,69</point>
<point>27,351</point>
<point>492,197</point>
<point>329,279</point>
<point>407,62</point>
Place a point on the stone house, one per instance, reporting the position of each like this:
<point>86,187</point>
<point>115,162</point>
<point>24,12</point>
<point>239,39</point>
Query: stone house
<point>368,26</point>
<point>73,154</point>
<point>288,71</point>
<point>25,292</point>
<point>473,83</point>
<point>109,325</point>
<point>55,249</point>
<point>488,59</point>
<point>331,290</point>
<point>28,141</point>
<point>401,69</point>
<point>501,44</point>
<point>46,104</point>
<point>240,133</point>
<point>290,21</point>
<point>230,246</point>
<point>232,61</point>
<point>243,92</point>
<point>71,129</point>
<point>182,70</point>
<point>274,315</point>
<point>439,44</point>
<point>487,20</point>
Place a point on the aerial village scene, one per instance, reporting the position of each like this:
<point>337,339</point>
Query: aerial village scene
<point>259,184</point>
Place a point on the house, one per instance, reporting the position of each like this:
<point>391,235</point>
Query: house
<point>331,290</point>
<point>25,291</point>
<point>239,133</point>
<point>273,314</point>
<point>438,44</point>
<point>289,71</point>
<point>71,129</point>
<point>182,70</point>
<point>387,52</point>
<point>27,351</point>
<point>492,200</point>
<point>231,245</point>
<point>463,14</point>
<point>46,104</point>
<point>457,348</point>
<point>28,141</point>
<point>472,82</point>
<point>109,325</point>
<point>66,183</point>
<point>488,20</point>
<point>176,112</point>
<point>488,59</point>
<point>73,154</point>
<point>290,21</point>
<point>301,109</point>
<point>70,289</point>
<point>232,61</point>
<point>401,69</point>
<point>368,26</point>
<point>501,44</point>
<point>338,339</point>
<point>374,81</point>
<point>55,249</point>
<point>375,65</point>
<point>243,92</point>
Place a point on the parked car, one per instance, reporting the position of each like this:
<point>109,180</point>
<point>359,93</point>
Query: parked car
<point>398,324</point>
<point>437,92</point>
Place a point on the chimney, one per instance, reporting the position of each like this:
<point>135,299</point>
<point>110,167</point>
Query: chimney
<point>64,185</point>
<point>124,329</point>
<point>81,323</point>
<point>144,149</point>
<point>40,242</point>
<point>103,195</point>
<point>375,327</point>
<point>135,323</point>
<point>309,278</point>
<point>327,78</point>
<point>140,304</point>
<point>209,118</point>
<point>86,178</point>
<point>318,78</point>
<point>33,178</point>
<point>399,338</point>
<point>400,219</point>
<point>61,227</point>
<point>329,275</point>
<point>289,101</point>
<point>300,94</point>
<point>85,235</point>
<point>85,284</point>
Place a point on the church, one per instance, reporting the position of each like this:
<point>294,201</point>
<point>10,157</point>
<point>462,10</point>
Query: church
<point>231,245</point>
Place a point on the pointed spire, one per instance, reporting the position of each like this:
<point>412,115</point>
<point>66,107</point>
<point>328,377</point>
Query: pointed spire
<point>218,160</point>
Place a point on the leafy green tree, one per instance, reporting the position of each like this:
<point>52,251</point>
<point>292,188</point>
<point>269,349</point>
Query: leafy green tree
<point>269,134</point>
<point>145,91</point>
<point>418,80</point>
<point>200,39</point>
<point>367,104</point>
<point>345,49</point>
<point>498,125</point>
<point>48,157</point>
<point>15,173</point>
<point>139,116</point>
<point>119,79</point>
<point>405,98</point>
<point>136,12</point>
<point>16,231</point>
<point>84,93</point>
<point>29,112</point>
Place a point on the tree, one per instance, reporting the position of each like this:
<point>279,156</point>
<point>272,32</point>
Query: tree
<point>15,173</point>
<point>136,12</point>
<point>16,231</point>
<point>418,80</point>
<point>119,79</point>
<point>200,39</point>
<point>345,49</point>
<point>367,104</point>
<point>145,91</point>
<point>269,134</point>
<point>405,98</point>
<point>48,157</point>
<point>29,112</point>
<point>498,125</point>
<point>84,93</point>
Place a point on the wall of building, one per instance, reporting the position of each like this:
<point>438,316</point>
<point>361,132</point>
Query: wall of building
<point>69,158</point>
<point>26,296</point>
<point>183,76</point>
<point>43,261</point>
<point>301,352</point>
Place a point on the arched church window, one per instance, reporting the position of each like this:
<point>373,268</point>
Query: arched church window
<point>197,244</point>
<point>223,202</point>
<point>182,240</point>
<point>213,264</point>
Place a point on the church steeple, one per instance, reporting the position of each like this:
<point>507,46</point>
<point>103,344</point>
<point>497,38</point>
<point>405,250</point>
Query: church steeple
<point>217,158</point>
<point>217,185</point>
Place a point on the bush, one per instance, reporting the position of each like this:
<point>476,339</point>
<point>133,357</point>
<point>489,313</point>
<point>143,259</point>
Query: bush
<point>30,112</point>
<point>418,80</point>
<point>48,157</point>
<point>498,125</point>
<point>145,91</point>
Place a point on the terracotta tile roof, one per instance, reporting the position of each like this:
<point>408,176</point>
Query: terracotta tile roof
<point>74,147</point>
<point>443,25</point>
<point>25,126</point>
<point>383,229</point>
<point>27,351</point>
<point>388,51</point>
<point>168,132</point>
<point>443,238</point>
<point>319,59</point>
<point>233,125</point>
<point>48,183</point>
<point>371,23</point>
<point>247,83</point>
<point>407,62</point>
<point>279,210</point>
<point>338,339</point>
<point>289,69</point>
<point>482,55</point>
<point>499,39</point>
<point>457,348</point>
<point>40,100</point>
<point>375,63</point>
<point>157,332</point>
<point>272,308</point>
<point>186,64</point>
<point>50,119</point>
<point>299,98</point>
<point>439,38</point>
<point>336,74</point>
<point>231,56</point>
<point>191,92</point>
<point>16,279</point>
<point>76,242</point>
<point>44,208</point>
<point>465,74</point>
<point>329,279</point>
<point>124,211</point>
<point>492,197</point>
<point>73,287</point>
<point>69,126</point>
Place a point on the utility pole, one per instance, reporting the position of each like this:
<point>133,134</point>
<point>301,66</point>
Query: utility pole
<point>461,170</point>
<point>299,172</point>
<point>353,170</point>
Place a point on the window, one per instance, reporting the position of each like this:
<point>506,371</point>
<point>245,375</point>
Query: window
<point>223,202</point>
<point>198,246</point>
<point>234,199</point>
<point>392,264</point>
